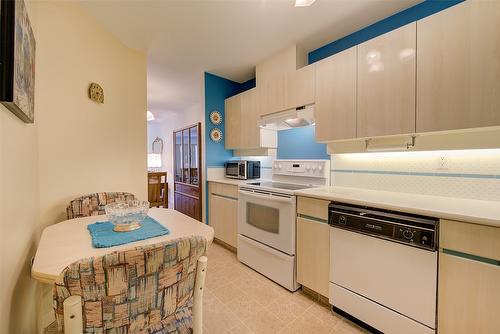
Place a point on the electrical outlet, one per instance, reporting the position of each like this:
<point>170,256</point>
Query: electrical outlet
<point>442,163</point>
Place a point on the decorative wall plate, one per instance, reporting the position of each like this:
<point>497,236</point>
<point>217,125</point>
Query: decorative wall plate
<point>216,135</point>
<point>215,117</point>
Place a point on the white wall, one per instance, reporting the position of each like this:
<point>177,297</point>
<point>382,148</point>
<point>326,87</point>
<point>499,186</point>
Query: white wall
<point>84,146</point>
<point>74,147</point>
<point>18,222</point>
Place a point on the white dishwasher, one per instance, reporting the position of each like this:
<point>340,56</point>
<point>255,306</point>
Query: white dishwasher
<point>383,268</point>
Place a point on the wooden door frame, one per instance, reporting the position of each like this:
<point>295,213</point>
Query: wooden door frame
<point>200,159</point>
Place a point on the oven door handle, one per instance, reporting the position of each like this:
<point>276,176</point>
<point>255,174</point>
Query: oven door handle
<point>268,197</point>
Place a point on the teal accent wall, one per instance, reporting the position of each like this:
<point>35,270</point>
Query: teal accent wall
<point>217,89</point>
<point>300,143</point>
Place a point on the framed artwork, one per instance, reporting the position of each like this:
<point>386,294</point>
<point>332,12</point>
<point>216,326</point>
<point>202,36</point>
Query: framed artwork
<point>17,60</point>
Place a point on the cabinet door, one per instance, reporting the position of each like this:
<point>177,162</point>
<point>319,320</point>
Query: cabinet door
<point>313,255</point>
<point>468,296</point>
<point>275,80</point>
<point>249,127</point>
<point>335,108</point>
<point>223,218</point>
<point>386,84</point>
<point>305,86</point>
<point>232,112</point>
<point>458,67</point>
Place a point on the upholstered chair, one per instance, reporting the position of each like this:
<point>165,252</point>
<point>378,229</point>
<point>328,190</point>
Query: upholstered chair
<point>93,204</point>
<point>151,289</point>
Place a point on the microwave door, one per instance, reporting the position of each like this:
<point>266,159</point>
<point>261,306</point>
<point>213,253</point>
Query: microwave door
<point>232,170</point>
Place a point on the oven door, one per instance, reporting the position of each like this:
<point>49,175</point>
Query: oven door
<point>268,218</point>
<point>233,169</point>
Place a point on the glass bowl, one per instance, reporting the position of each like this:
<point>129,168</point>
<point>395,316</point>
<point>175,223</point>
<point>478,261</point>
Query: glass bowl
<point>127,215</point>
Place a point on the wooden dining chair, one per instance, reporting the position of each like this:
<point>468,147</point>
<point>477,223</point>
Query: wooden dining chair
<point>157,189</point>
<point>151,289</point>
<point>93,204</point>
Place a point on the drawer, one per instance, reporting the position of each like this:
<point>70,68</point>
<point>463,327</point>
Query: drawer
<point>312,207</point>
<point>478,240</point>
<point>186,189</point>
<point>223,189</point>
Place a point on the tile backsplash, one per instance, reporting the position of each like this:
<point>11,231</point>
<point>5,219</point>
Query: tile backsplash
<point>473,174</point>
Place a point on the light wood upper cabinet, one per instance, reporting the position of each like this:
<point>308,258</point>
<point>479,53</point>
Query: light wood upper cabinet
<point>249,129</point>
<point>233,124</point>
<point>280,85</point>
<point>242,129</point>
<point>386,83</point>
<point>305,85</point>
<point>458,67</point>
<point>335,108</point>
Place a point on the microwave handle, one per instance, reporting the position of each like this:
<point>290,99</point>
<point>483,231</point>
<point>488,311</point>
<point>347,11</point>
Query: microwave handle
<point>267,197</point>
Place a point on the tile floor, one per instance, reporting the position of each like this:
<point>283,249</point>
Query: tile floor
<point>240,300</point>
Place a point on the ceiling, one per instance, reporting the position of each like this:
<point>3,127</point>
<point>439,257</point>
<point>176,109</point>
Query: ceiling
<point>225,37</point>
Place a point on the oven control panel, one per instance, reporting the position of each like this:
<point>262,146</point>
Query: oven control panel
<point>308,168</point>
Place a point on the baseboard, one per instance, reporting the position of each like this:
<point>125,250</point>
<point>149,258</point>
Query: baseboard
<point>225,245</point>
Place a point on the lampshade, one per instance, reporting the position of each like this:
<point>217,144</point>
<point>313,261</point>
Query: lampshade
<point>154,160</point>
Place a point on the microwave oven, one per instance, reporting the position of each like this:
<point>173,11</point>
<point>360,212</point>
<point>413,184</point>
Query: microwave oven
<point>242,169</point>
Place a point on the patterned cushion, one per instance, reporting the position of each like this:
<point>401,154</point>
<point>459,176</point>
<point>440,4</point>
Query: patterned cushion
<point>93,204</point>
<point>140,290</point>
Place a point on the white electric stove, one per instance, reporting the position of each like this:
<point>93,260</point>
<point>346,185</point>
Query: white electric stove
<point>266,218</point>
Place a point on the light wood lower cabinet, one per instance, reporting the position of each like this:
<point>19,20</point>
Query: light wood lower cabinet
<point>223,212</point>
<point>469,296</point>
<point>313,254</point>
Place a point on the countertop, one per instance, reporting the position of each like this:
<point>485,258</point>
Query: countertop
<point>459,209</point>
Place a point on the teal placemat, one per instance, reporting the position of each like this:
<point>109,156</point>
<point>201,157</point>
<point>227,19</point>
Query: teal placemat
<point>103,235</point>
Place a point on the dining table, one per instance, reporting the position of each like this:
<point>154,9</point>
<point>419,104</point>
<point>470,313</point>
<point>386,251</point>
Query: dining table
<point>66,242</point>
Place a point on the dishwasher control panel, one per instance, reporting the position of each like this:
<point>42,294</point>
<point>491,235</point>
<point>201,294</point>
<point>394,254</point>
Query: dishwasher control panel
<point>414,230</point>
<point>414,235</point>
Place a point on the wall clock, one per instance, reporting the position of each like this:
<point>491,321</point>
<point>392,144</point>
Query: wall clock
<point>216,135</point>
<point>215,117</point>
<point>96,93</point>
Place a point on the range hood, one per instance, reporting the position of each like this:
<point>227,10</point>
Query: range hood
<point>289,119</point>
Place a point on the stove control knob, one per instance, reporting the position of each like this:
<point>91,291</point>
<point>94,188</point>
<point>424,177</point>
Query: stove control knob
<point>308,168</point>
<point>313,168</point>
<point>320,168</point>
<point>279,166</point>
<point>408,234</point>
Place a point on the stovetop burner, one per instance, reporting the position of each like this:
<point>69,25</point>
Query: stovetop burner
<point>280,185</point>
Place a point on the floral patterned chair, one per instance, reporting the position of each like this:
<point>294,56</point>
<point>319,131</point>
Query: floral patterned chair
<point>93,204</point>
<point>152,289</point>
